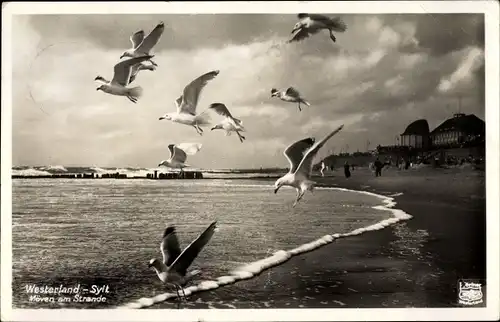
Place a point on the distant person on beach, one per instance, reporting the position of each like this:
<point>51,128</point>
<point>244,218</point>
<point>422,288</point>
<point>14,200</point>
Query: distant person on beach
<point>347,171</point>
<point>378,167</point>
<point>323,167</point>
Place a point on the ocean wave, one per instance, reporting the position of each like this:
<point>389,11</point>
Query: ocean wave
<point>30,172</point>
<point>54,168</point>
<point>279,257</point>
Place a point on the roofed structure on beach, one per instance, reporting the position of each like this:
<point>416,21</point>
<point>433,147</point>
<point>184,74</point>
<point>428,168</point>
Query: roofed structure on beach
<point>419,127</point>
<point>459,129</point>
<point>416,134</point>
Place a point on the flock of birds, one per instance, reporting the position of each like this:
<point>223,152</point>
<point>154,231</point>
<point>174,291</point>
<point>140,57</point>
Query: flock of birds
<point>173,268</point>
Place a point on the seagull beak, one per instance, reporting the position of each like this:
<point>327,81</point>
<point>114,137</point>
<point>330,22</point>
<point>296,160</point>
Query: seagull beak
<point>122,56</point>
<point>276,189</point>
<point>149,265</point>
<point>212,128</point>
<point>161,118</point>
<point>97,88</point>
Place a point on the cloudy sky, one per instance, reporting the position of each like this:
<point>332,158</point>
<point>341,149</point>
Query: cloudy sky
<point>384,72</point>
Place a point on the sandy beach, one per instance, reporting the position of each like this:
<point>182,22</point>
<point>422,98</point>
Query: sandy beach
<point>415,263</point>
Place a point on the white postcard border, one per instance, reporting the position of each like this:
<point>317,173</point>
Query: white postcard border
<point>489,8</point>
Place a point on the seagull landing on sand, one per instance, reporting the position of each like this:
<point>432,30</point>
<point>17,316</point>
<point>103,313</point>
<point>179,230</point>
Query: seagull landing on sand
<point>300,155</point>
<point>229,124</point>
<point>290,95</point>
<point>311,24</point>
<point>121,79</point>
<point>178,155</point>
<point>142,46</point>
<point>137,68</point>
<point>187,103</point>
<point>173,269</point>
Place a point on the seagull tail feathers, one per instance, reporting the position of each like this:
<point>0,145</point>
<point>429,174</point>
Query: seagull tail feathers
<point>136,92</point>
<point>203,119</point>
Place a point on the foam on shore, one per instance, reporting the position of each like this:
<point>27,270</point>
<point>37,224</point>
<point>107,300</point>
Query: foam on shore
<point>279,257</point>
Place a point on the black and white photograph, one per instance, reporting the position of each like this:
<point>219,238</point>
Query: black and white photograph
<point>257,160</point>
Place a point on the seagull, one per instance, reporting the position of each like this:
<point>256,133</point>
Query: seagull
<point>121,79</point>
<point>311,24</point>
<point>173,269</point>
<point>290,95</point>
<point>137,68</point>
<point>300,155</point>
<point>178,155</point>
<point>142,46</point>
<point>187,102</point>
<point>229,124</point>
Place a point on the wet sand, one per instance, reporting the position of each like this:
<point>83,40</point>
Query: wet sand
<point>415,263</point>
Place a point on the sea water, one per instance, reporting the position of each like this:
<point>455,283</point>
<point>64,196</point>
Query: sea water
<point>104,232</point>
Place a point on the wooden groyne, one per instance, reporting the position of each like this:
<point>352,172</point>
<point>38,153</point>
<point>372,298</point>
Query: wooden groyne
<point>117,175</point>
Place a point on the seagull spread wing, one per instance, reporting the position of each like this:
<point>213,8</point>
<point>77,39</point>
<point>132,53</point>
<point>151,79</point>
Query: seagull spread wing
<point>305,166</point>
<point>221,109</point>
<point>123,70</point>
<point>152,39</point>
<point>177,154</point>
<point>295,152</point>
<point>169,247</point>
<point>190,148</point>
<point>292,92</point>
<point>336,24</point>
<point>192,93</point>
<point>137,38</point>
<point>186,258</point>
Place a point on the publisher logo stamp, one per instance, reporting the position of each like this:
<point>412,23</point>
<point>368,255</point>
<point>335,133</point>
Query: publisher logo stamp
<point>470,292</point>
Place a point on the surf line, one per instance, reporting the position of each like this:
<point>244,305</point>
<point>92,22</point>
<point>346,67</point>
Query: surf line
<point>256,268</point>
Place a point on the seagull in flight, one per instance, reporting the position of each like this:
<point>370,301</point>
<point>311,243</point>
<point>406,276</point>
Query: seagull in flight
<point>290,95</point>
<point>137,68</point>
<point>311,24</point>
<point>300,155</point>
<point>187,103</point>
<point>173,269</point>
<point>229,124</point>
<point>121,79</point>
<point>178,155</point>
<point>141,45</point>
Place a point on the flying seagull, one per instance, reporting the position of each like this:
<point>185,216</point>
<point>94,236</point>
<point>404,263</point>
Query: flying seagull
<point>121,79</point>
<point>300,155</point>
<point>178,155</point>
<point>311,24</point>
<point>137,68</point>
<point>290,95</point>
<point>142,45</point>
<point>188,101</point>
<point>229,124</point>
<point>173,269</point>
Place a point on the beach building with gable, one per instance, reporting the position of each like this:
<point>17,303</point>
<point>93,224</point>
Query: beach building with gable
<point>459,130</point>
